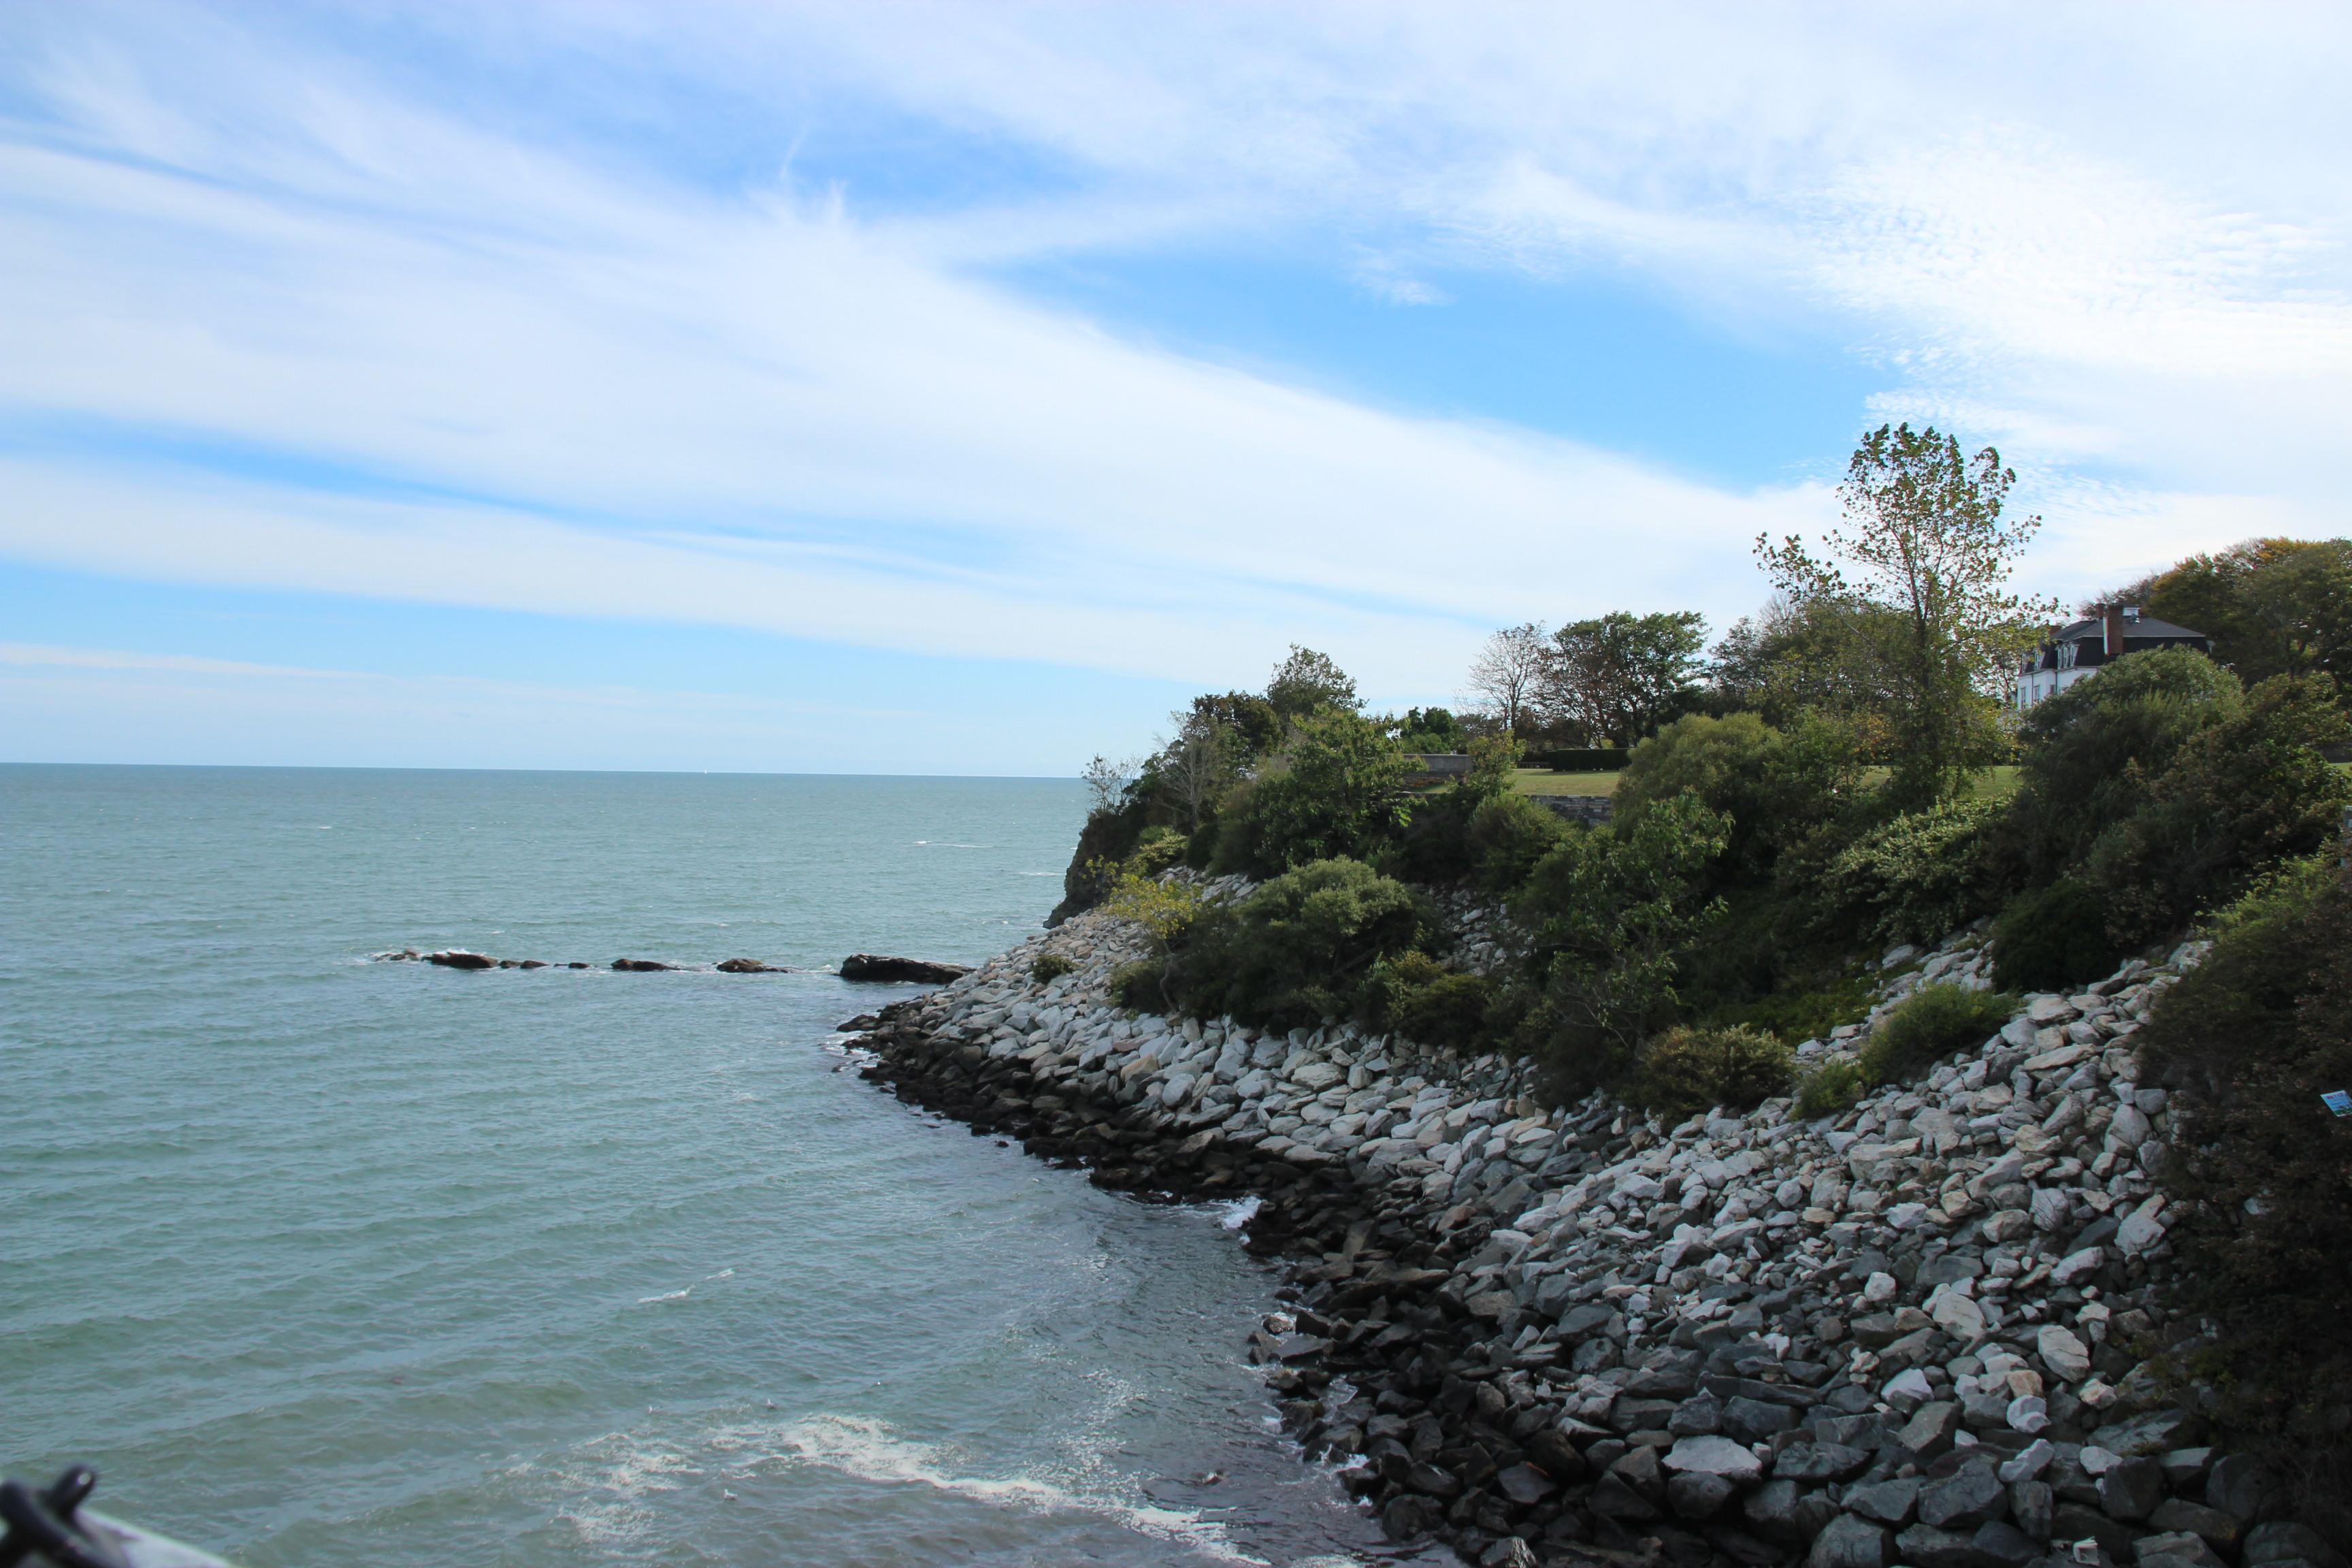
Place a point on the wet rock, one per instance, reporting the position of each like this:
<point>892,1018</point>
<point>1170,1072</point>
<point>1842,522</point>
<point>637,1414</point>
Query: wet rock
<point>459,958</point>
<point>640,965</point>
<point>1525,1485</point>
<point>1820,1462</point>
<point>749,966</point>
<point>1698,1498</point>
<point>875,966</point>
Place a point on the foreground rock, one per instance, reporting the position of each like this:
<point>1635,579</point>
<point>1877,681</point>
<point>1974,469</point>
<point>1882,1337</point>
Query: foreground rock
<point>1914,1333</point>
<point>877,966</point>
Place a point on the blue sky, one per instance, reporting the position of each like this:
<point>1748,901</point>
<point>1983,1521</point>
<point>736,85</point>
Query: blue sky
<point>955,388</point>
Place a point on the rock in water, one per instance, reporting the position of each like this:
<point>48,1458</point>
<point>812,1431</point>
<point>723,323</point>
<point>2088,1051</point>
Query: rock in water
<point>459,958</point>
<point>877,966</point>
<point>638,966</point>
<point>749,966</point>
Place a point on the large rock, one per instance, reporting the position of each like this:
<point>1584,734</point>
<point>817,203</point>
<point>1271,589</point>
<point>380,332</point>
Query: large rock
<point>2283,1541</point>
<point>2131,1488</point>
<point>2062,1351</point>
<point>639,965</point>
<point>749,966</point>
<point>1850,1542</point>
<point>1971,1495</point>
<point>1929,1431</point>
<point>1710,1456</point>
<point>1892,1502</point>
<point>459,958</point>
<point>879,966</point>
<point>1698,1498</point>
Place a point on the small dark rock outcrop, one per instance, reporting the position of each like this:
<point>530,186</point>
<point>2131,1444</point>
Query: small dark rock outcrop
<point>875,966</point>
<point>640,965</point>
<point>749,966</point>
<point>459,958</point>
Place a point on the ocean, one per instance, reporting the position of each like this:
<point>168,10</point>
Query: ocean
<point>325,1260</point>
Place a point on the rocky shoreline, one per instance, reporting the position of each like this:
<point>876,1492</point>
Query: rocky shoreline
<point>1916,1334</point>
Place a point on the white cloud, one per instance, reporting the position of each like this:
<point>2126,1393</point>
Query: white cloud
<point>591,387</point>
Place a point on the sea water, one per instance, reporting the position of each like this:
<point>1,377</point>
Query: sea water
<point>326,1260</point>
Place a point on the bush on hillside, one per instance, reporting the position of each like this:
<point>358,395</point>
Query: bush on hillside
<point>1610,913</point>
<point>1830,1089</point>
<point>1917,878</point>
<point>2238,796</point>
<point>2091,752</point>
<point>1689,1070</point>
<point>2250,1040</point>
<point>1331,792</point>
<point>1508,834</point>
<point>1805,1012</point>
<point>2054,939</point>
<point>1932,1022</point>
<point>1049,967</point>
<point>1420,998</point>
<point>1299,949</point>
<point>1777,787</point>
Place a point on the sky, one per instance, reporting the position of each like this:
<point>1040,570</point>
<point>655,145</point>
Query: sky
<point>957,388</point>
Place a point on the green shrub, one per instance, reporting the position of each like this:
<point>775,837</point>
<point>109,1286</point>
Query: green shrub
<point>1299,949</point>
<point>2249,1040</point>
<point>1507,835</point>
<point>1933,1021</point>
<point>1140,985</point>
<point>1828,1089</point>
<point>1050,967</point>
<point>1610,913</point>
<point>1776,786</point>
<point>1422,999</point>
<point>1689,1070</point>
<point>1918,878</point>
<point>2249,791</point>
<point>2090,752</point>
<point>1806,1013</point>
<point>2054,939</point>
<point>1331,792</point>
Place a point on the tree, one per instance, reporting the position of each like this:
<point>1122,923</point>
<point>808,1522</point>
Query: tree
<point>1507,674</point>
<point>1930,559</point>
<point>1253,729</point>
<point>2273,607</point>
<point>1197,764</point>
<point>1309,682</point>
<point>1619,676</point>
<point>1106,782</point>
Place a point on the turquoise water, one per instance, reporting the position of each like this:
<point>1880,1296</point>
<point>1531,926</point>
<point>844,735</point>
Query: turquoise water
<point>328,1262</point>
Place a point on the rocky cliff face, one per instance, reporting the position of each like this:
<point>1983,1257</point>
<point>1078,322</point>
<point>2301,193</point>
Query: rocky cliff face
<point>1916,1334</point>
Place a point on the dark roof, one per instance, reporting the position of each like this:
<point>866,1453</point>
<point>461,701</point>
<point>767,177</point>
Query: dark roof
<point>2145,626</point>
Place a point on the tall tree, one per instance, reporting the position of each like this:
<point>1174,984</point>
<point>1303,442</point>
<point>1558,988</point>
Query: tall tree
<point>1922,563</point>
<point>1198,763</point>
<point>1621,676</point>
<point>1309,682</point>
<point>1507,674</point>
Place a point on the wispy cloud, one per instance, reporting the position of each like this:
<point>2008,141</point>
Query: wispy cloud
<point>474,306</point>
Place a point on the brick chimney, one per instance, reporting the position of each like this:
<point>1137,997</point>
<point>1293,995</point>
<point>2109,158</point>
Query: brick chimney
<point>2115,619</point>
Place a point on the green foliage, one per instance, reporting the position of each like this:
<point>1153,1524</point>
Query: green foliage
<point>1431,729</point>
<point>1611,912</point>
<point>1108,838</point>
<point>2092,752</point>
<point>1299,949</point>
<point>1332,791</point>
<point>1806,1012</point>
<point>2239,796</point>
<point>2249,1040</point>
<point>1166,907</point>
<point>2054,939</point>
<point>1618,677</point>
<point>1690,1069</point>
<point>1308,683</point>
<point>1933,1021</point>
<point>2273,607</point>
<point>1049,967</point>
<point>1828,1089</point>
<point>1932,621</point>
<point>1141,985</point>
<point>1775,786</point>
<point>1422,999</point>
<point>1917,878</point>
<point>1508,834</point>
<point>1254,729</point>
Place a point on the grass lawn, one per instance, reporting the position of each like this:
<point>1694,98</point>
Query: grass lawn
<point>1543,781</point>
